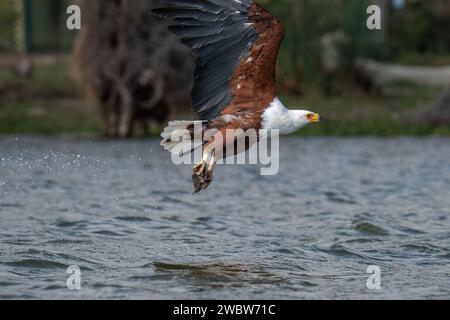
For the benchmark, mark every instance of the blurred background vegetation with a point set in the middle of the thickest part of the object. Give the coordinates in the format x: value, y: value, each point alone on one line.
x: 123, y: 75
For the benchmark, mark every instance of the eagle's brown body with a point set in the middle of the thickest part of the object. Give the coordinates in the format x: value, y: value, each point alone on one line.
x: 253, y: 83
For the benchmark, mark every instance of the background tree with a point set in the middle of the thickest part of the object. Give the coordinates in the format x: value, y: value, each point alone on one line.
x: 130, y: 65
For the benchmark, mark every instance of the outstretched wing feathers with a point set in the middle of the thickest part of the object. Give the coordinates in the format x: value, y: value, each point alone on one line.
x: 221, y: 34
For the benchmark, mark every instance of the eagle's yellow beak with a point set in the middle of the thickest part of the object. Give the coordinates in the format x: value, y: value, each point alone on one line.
x: 314, y: 117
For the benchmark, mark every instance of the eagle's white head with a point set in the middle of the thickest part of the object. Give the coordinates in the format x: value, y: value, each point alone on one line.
x: 302, y: 118
x: 277, y: 116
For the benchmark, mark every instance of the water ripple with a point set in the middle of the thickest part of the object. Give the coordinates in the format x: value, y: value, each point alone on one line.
x: 127, y: 217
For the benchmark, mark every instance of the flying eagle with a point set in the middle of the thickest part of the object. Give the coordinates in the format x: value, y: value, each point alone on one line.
x: 236, y: 45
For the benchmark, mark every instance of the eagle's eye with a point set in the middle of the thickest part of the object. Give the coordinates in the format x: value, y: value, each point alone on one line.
x: 310, y: 116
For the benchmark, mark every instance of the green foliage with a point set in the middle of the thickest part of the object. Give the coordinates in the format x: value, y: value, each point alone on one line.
x: 307, y: 21
x: 44, y: 103
x: 47, y: 117
x: 413, y: 30
x: 50, y: 80
x: 48, y: 104
x: 7, y: 21
x: 417, y: 59
x: 418, y: 31
x: 356, y: 114
x: 304, y: 24
x: 48, y: 26
x: 48, y: 32
x: 382, y: 126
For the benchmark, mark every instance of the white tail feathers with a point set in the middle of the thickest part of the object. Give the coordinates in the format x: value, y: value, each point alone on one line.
x: 179, y: 137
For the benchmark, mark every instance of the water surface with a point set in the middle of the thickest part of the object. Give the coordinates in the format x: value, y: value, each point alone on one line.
x: 127, y: 217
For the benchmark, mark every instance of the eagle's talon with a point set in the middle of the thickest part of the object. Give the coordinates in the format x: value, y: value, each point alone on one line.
x: 197, y: 187
x: 209, y: 177
x: 202, y: 182
x: 198, y: 183
x: 200, y: 168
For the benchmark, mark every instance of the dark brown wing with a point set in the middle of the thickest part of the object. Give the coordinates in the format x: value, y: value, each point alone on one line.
x: 254, y: 82
x: 236, y: 44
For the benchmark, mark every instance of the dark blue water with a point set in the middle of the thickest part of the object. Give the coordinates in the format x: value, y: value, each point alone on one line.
x: 127, y: 217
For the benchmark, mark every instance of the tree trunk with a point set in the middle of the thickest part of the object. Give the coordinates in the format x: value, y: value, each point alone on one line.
x: 130, y: 65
